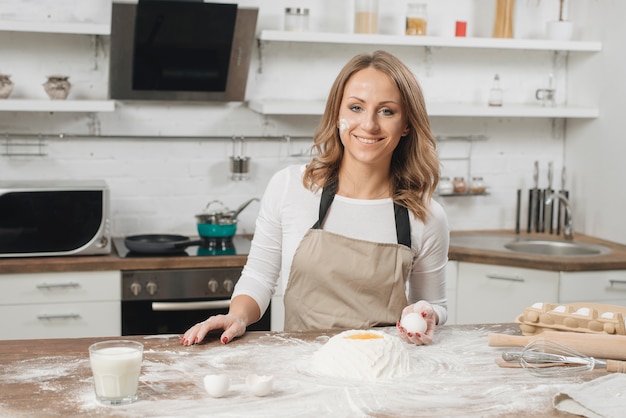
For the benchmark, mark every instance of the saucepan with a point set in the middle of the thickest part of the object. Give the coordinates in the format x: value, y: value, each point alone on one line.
x: 217, y: 221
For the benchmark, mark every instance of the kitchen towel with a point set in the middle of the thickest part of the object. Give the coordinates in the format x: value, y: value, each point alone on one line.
x: 603, y: 397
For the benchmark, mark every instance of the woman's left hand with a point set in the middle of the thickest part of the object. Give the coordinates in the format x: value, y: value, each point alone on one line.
x: 428, y: 313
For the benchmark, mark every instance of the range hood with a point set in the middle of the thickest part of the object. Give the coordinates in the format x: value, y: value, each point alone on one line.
x: 182, y: 50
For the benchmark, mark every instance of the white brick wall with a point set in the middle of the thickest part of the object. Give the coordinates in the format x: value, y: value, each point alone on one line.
x: 158, y: 184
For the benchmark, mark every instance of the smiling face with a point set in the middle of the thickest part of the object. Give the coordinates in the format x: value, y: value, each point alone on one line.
x: 370, y: 121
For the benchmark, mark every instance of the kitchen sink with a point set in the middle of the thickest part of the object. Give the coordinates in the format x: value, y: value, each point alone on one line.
x: 525, y: 245
x: 556, y: 248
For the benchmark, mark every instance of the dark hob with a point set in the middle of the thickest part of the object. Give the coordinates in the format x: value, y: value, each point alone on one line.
x: 236, y: 245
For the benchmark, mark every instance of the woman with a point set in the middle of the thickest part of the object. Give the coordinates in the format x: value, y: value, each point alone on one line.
x: 344, y: 235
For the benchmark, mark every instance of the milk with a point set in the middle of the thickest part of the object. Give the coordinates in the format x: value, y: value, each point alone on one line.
x: 116, y: 367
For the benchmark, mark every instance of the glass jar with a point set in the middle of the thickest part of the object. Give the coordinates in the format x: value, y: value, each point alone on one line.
x: 416, y: 19
x: 366, y: 16
x: 296, y: 19
x: 478, y: 185
x: 459, y: 185
x: 445, y: 186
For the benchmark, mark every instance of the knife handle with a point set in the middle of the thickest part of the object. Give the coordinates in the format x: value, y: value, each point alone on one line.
x: 616, y: 366
x: 530, y: 211
x: 518, y: 211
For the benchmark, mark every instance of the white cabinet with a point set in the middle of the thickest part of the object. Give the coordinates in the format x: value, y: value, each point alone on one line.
x: 451, y: 291
x: 490, y: 293
x: 39, y: 38
x: 608, y: 287
x: 459, y: 46
x: 60, y: 305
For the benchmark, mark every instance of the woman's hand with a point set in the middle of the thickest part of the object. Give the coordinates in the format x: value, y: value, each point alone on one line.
x: 232, y: 325
x: 428, y: 313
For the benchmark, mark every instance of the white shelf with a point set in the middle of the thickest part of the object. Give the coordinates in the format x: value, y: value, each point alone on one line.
x: 316, y: 108
x: 287, y: 107
x: 451, y: 42
x: 25, y: 105
x: 55, y: 27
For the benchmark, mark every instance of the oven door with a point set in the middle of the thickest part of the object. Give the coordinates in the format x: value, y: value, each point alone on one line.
x: 175, y: 316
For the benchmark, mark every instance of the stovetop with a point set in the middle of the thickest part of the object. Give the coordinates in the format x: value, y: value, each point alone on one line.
x: 236, y: 245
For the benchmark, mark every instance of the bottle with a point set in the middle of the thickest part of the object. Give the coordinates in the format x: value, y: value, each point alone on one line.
x: 495, y: 94
x: 296, y: 19
x: 416, y: 19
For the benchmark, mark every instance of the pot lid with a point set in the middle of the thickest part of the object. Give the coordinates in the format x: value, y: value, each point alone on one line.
x: 216, y: 208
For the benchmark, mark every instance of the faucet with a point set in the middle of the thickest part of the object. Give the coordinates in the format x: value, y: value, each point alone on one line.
x: 568, y: 227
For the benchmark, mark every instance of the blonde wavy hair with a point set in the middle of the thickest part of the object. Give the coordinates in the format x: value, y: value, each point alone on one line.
x: 414, y: 167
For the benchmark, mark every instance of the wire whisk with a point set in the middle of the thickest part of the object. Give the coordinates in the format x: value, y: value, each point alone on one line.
x: 548, y: 358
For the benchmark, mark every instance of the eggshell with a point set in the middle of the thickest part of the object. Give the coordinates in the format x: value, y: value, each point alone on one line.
x: 414, y: 323
x: 216, y: 385
x: 259, y: 385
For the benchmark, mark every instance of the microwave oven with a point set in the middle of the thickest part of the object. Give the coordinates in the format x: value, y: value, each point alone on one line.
x: 54, y: 218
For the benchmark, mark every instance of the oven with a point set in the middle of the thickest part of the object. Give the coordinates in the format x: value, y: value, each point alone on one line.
x: 169, y: 301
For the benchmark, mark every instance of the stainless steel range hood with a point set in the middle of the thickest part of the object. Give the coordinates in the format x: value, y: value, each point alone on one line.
x: 180, y: 50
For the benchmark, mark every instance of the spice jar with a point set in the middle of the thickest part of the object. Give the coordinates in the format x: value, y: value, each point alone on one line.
x: 416, y: 20
x: 459, y: 185
x: 445, y: 186
x: 478, y: 185
x: 296, y: 19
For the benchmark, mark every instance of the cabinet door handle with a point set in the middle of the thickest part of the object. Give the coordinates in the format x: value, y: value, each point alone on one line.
x: 190, y: 306
x: 46, y: 317
x: 46, y: 286
x: 496, y: 276
x: 617, y: 282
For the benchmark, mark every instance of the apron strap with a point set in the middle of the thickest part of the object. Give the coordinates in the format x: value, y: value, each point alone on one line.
x: 328, y: 194
x: 403, y: 225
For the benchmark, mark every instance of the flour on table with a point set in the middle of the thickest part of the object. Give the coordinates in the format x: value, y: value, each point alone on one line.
x: 366, y: 355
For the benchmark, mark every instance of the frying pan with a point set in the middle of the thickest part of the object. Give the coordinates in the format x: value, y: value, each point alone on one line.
x: 158, y: 243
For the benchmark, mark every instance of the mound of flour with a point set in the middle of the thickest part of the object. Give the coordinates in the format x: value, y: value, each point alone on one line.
x: 368, y: 355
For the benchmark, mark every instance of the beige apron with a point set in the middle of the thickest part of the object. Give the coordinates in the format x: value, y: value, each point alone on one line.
x: 341, y: 282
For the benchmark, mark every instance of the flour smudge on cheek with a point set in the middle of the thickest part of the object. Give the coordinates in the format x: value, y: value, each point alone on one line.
x: 343, y: 125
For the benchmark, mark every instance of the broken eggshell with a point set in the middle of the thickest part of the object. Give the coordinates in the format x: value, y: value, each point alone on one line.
x: 259, y: 385
x: 216, y: 385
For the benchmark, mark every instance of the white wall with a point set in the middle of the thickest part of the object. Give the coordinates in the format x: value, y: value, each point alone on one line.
x: 158, y: 183
x: 596, y: 150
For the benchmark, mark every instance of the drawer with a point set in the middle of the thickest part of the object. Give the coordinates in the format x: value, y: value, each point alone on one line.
x: 593, y: 286
x: 62, y: 320
x: 491, y: 293
x: 60, y: 287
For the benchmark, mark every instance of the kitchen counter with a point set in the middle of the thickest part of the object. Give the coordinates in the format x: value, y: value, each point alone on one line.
x: 616, y: 260
x: 456, y: 375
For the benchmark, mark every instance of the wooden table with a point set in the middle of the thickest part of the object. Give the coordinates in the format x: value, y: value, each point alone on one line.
x: 456, y: 375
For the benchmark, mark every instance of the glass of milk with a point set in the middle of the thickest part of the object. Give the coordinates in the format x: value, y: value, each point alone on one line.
x: 116, y: 365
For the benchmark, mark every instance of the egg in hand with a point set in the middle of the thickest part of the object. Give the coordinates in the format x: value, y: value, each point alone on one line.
x: 414, y: 323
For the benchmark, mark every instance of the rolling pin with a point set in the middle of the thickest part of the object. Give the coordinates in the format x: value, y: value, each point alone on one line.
x: 603, y: 346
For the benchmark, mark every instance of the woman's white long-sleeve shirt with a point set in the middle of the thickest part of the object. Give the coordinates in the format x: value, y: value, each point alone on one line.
x: 288, y: 210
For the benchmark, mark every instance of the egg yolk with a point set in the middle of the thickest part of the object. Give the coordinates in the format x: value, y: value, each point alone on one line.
x: 363, y: 336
